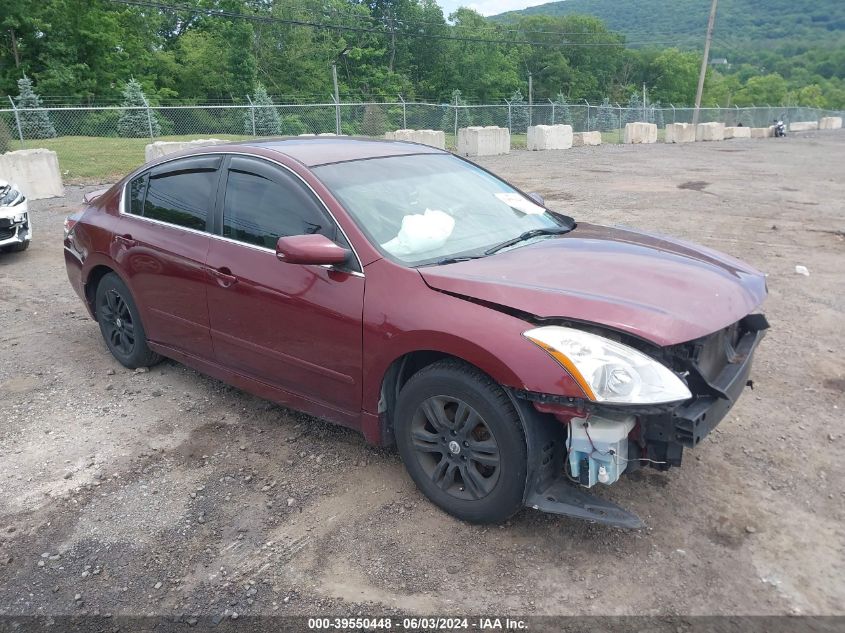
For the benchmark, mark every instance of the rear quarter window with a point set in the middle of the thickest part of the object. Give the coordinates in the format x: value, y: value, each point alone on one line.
x: 137, y: 191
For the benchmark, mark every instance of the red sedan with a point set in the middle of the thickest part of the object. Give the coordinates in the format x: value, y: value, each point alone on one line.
x: 514, y: 356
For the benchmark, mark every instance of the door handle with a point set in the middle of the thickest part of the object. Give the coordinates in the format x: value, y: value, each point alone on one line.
x: 224, y: 277
x: 125, y: 240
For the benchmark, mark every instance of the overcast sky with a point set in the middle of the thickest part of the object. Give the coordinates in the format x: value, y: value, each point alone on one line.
x: 488, y: 7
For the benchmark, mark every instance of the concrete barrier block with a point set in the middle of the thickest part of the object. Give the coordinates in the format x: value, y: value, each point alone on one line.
x: 434, y: 138
x: 640, y: 133
x: 762, y: 132
x: 737, y: 132
x: 483, y: 141
x: 543, y: 137
x: 679, y: 133
x: 162, y: 148
x: 34, y: 171
x: 580, y: 139
x: 710, y: 132
x: 830, y: 123
x: 803, y: 126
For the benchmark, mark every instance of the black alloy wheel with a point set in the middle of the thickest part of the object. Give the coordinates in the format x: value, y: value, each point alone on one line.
x: 117, y: 324
x: 462, y: 441
x: 455, y: 447
x: 120, y: 324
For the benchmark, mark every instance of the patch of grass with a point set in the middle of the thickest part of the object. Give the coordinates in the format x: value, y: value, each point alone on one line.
x: 92, y: 159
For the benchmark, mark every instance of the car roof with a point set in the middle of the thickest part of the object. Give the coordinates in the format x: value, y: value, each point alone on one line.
x: 322, y: 150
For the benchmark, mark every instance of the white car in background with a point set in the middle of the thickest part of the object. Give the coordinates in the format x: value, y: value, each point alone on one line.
x: 15, y: 225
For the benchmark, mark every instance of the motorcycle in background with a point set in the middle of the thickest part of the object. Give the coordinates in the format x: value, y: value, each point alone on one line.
x: 780, y: 128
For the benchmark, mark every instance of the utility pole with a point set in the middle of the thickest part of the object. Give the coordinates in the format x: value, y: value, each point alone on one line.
x: 530, y: 96
x: 704, y: 61
x: 644, y: 106
x: 336, y: 99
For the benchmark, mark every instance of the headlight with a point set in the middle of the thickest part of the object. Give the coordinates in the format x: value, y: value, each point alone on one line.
x: 9, y: 196
x: 608, y: 371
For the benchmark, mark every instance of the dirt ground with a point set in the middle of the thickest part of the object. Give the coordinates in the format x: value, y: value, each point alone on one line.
x: 167, y: 492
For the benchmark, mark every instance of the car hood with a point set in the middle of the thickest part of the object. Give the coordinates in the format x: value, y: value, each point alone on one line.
x: 656, y: 288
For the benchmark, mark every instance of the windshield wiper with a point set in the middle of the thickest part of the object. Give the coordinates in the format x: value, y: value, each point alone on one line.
x: 556, y: 230
x: 454, y: 260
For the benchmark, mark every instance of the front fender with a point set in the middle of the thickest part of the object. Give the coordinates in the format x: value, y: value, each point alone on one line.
x: 403, y: 315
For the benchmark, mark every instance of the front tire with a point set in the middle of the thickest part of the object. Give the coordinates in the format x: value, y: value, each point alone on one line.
x: 20, y: 247
x: 120, y: 324
x: 462, y: 442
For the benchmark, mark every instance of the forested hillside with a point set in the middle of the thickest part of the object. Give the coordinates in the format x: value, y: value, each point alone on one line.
x: 213, y: 51
x: 774, y: 48
x: 763, y: 23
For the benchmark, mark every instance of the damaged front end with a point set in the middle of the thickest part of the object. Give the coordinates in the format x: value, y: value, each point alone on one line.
x: 597, y: 442
x: 15, y: 225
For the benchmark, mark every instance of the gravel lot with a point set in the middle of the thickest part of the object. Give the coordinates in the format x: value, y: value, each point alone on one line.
x: 166, y: 492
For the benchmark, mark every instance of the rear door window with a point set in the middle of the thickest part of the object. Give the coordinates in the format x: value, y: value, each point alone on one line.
x: 182, y: 192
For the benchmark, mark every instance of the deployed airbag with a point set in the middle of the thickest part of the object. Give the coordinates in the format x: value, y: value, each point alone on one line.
x: 421, y: 233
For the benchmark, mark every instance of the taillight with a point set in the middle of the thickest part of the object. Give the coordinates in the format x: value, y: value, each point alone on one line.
x: 70, y: 222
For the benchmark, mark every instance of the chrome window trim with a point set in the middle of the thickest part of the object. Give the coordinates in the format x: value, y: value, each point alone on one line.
x: 122, y: 208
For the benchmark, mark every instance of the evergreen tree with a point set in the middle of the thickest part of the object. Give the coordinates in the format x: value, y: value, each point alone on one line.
x: 562, y: 113
x: 519, y: 113
x: 607, y: 120
x: 136, y: 123
x: 5, y: 136
x: 267, y: 122
x: 634, y: 112
x: 374, y: 123
x: 657, y: 115
x: 35, y: 123
x: 447, y: 123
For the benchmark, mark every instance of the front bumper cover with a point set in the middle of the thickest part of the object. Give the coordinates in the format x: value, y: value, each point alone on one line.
x: 663, y: 433
x: 14, y: 230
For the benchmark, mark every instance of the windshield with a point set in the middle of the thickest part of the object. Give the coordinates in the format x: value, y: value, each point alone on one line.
x: 423, y: 209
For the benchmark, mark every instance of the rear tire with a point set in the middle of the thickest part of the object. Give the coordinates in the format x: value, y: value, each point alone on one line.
x: 462, y: 442
x: 120, y: 324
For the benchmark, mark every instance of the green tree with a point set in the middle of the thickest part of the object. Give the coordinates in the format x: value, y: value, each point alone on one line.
x: 447, y: 122
x: 656, y: 115
x: 634, y: 109
x: 34, y: 120
x: 374, y: 122
x: 518, y: 113
x: 674, y: 76
x: 267, y: 122
x: 5, y: 136
x: 762, y: 90
x: 607, y: 119
x: 809, y: 96
x: 562, y: 112
x: 135, y: 119
x: 485, y: 70
x: 583, y: 63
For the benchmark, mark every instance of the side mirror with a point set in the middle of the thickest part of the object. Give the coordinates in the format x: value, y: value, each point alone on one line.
x: 536, y: 197
x: 310, y: 249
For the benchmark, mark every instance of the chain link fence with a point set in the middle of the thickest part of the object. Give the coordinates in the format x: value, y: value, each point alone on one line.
x: 103, y: 143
